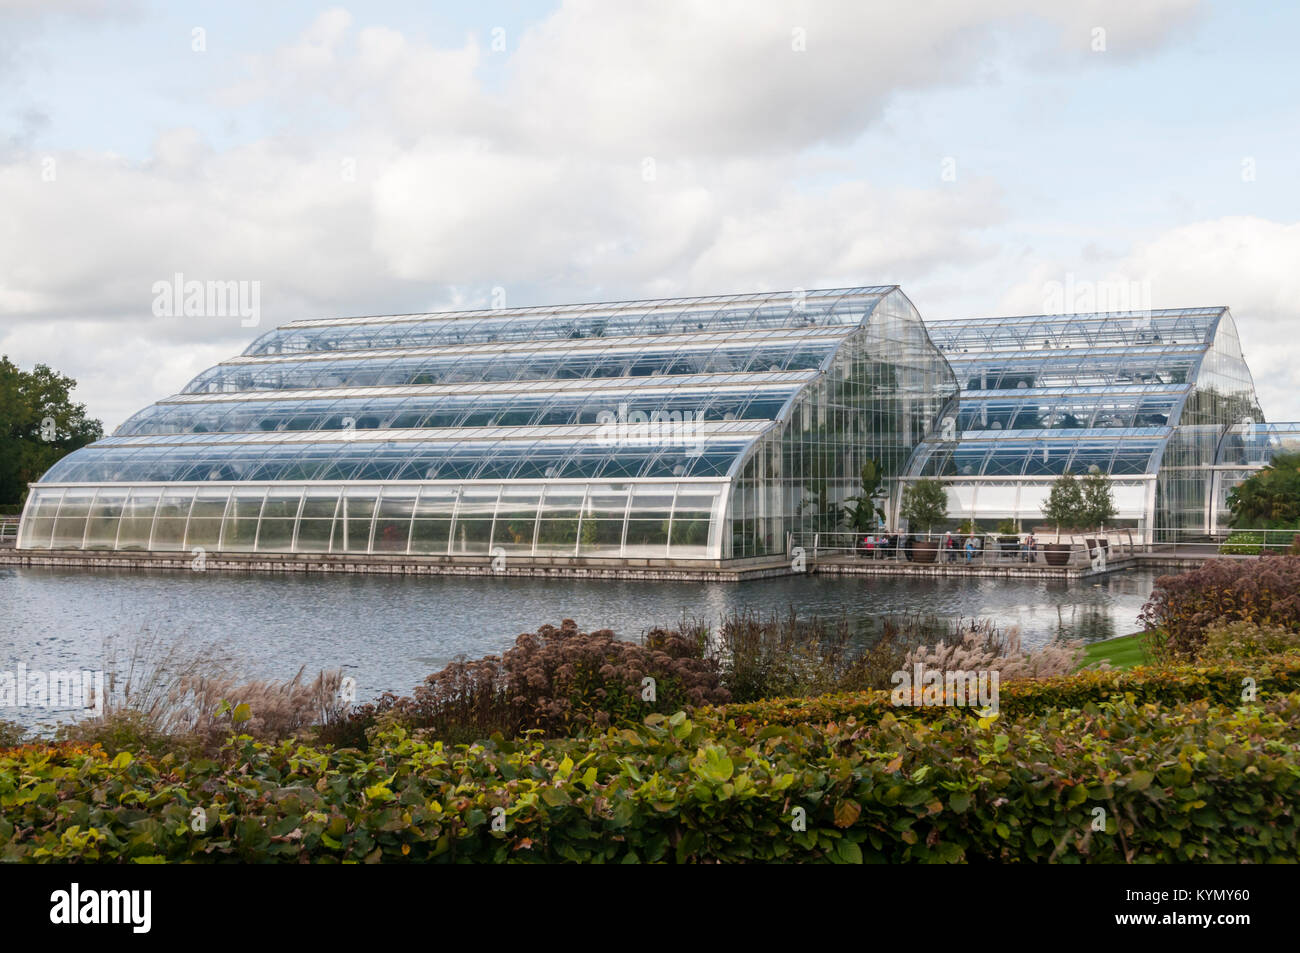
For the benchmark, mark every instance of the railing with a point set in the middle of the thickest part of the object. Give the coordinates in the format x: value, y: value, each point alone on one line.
x: 8, y: 531
x: 1237, y: 543
x: 988, y: 549
x: 982, y: 549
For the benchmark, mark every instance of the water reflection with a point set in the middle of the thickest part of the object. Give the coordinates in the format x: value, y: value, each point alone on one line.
x: 389, y: 632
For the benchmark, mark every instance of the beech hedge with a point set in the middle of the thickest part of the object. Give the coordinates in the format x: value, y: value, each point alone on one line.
x: 1112, y: 782
x: 1223, y: 683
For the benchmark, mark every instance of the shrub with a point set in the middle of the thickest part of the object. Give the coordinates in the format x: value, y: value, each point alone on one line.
x: 12, y: 734
x: 1172, y: 686
x: 558, y: 681
x: 1246, y: 640
x: 1270, y: 497
x: 127, y: 730
x: 786, y: 656
x: 1264, y: 591
x: 1242, y: 543
x: 782, y: 655
x: 1198, y: 782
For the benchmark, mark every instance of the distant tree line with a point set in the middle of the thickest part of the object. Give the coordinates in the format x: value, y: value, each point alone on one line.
x: 39, y: 423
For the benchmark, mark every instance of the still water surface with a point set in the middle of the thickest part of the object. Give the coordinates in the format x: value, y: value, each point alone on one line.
x: 389, y: 632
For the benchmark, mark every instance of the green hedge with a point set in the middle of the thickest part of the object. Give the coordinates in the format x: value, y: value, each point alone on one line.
x: 1173, y: 685
x: 1192, y: 782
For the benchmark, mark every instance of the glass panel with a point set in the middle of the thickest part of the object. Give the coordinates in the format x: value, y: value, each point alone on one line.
x: 557, y: 527
x: 173, y: 512
x: 473, y: 530
x: 516, y: 519
x: 38, y: 526
x: 356, y: 517
x: 70, y: 527
x: 393, y: 523
x: 275, y: 536
x: 601, y: 531
x: 137, y: 518
x: 648, y: 520
x: 105, y: 513
x: 432, y: 527
x: 239, y: 530
x: 204, y: 528
x: 316, y: 524
x: 692, y: 518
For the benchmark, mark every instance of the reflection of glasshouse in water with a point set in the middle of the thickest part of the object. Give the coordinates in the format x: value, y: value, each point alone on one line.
x: 684, y: 429
x: 694, y: 428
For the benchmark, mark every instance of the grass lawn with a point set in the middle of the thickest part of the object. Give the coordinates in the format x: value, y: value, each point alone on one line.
x: 1123, y: 652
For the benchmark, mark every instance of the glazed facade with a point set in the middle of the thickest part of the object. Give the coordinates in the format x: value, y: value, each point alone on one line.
x: 1145, y: 397
x: 690, y: 429
x: 1242, y: 451
x: 684, y: 429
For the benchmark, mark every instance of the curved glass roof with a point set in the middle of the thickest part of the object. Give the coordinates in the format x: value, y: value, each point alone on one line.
x: 338, y: 409
x: 1253, y: 445
x: 730, y: 313
x: 1042, y: 394
x: 633, y: 357
x: 674, y: 389
x: 481, y: 458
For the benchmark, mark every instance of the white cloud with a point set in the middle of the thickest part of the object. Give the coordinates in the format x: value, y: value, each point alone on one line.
x: 402, y: 179
x: 1244, y: 262
x: 671, y: 76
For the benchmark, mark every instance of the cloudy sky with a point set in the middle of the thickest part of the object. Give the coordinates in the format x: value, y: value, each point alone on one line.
x: 397, y: 157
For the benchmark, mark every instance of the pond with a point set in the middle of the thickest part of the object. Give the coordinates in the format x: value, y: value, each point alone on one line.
x: 389, y: 632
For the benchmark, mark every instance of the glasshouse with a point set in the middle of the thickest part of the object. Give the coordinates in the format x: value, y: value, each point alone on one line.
x: 700, y: 431
x: 1244, y: 450
x: 1146, y: 397
x: 673, y: 430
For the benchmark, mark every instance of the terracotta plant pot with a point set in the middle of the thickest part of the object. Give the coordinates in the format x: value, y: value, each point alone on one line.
x: 1057, y: 554
x: 925, y: 550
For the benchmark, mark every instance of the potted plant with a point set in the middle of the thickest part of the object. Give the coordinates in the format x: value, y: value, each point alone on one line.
x: 924, y: 504
x: 1066, y: 508
x: 864, y: 514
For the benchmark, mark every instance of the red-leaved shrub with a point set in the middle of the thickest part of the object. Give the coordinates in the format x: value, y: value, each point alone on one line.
x: 1264, y: 591
x: 557, y: 680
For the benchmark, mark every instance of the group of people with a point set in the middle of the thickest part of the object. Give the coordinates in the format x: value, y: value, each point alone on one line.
x: 973, y: 547
x: 883, y: 546
x: 877, y: 546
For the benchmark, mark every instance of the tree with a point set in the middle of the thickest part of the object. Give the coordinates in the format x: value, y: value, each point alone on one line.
x: 1065, y: 504
x: 1270, y: 497
x: 924, y: 503
x: 39, y: 424
x: 1098, y: 499
x: 863, y: 515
